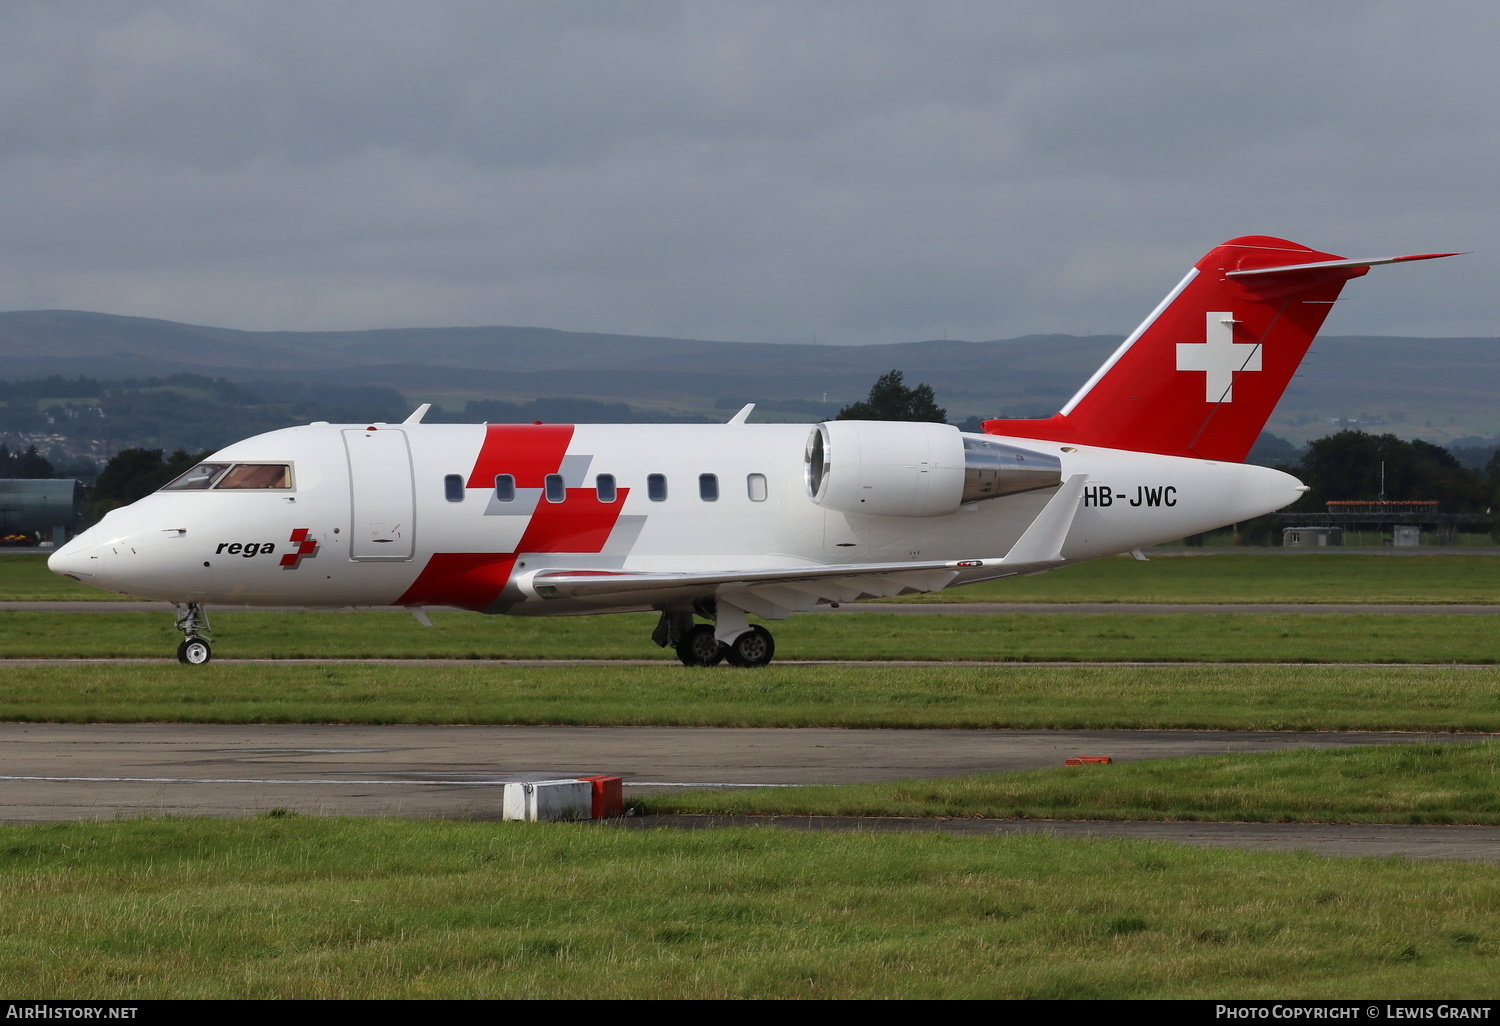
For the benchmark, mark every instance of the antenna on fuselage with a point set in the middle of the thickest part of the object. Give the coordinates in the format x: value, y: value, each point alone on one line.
x: 418, y: 414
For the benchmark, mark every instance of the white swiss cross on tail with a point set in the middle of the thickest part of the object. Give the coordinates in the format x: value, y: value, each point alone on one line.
x: 1218, y: 357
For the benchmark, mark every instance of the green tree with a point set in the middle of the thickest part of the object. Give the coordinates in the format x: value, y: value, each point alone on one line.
x: 28, y: 464
x: 32, y: 464
x: 133, y: 474
x: 1347, y: 465
x: 890, y: 399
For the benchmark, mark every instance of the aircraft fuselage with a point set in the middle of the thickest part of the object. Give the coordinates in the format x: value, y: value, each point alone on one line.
x: 391, y: 529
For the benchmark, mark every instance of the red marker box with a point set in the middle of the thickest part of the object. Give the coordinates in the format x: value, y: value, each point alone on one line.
x: 609, y: 800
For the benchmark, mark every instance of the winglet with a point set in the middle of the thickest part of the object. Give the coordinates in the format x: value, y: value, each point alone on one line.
x: 1043, y: 540
x: 743, y: 417
x: 418, y: 414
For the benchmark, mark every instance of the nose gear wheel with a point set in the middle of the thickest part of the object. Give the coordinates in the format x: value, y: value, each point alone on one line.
x: 197, y: 636
x: 194, y: 652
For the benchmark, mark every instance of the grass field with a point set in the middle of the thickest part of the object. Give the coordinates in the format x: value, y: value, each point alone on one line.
x: 1384, y: 784
x: 1169, y: 576
x: 1169, y: 637
x: 24, y: 577
x: 304, y: 908
x: 1280, y: 576
x: 1033, y: 697
x: 293, y: 907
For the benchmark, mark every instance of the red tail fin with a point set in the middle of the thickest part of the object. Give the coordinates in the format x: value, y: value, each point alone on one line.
x: 1200, y: 377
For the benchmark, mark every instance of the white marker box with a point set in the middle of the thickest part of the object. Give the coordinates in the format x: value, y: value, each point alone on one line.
x: 548, y: 801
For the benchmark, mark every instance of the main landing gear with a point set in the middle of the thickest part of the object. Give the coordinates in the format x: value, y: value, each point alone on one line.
x: 197, y: 636
x: 696, y: 645
x: 753, y: 648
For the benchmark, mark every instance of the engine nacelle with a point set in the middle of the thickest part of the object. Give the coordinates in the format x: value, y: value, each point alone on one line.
x: 993, y: 468
x: 903, y: 469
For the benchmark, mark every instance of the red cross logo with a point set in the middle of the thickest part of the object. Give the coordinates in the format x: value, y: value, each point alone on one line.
x: 305, y: 547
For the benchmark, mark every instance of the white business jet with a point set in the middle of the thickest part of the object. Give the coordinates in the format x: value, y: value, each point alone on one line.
x: 711, y: 524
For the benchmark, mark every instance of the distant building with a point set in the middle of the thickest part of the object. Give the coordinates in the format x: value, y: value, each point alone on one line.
x: 41, y: 510
x: 1406, y: 536
x: 1300, y: 537
x: 1405, y: 520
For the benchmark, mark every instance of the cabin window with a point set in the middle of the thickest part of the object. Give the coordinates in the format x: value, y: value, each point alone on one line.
x: 557, y: 491
x: 656, y: 487
x: 453, y: 487
x: 604, y: 487
x: 708, y: 487
x: 755, y: 485
x: 505, y: 488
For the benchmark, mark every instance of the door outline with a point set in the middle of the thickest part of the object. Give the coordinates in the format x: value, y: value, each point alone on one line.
x: 382, y: 495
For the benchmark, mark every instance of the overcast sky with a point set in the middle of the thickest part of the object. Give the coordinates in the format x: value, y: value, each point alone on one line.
x: 763, y: 171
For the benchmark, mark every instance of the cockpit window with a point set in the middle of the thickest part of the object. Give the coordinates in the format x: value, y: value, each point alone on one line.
x: 201, y: 476
x: 242, y: 476
x: 257, y: 475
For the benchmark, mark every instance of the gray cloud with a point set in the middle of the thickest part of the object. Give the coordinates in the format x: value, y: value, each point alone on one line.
x: 867, y: 171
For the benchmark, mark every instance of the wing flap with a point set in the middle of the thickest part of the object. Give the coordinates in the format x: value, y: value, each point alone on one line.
x: 790, y: 587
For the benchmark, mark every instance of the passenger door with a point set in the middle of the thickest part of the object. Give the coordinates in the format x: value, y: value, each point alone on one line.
x: 382, y: 498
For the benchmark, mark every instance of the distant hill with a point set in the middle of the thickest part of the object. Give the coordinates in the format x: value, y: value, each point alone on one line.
x: 517, y: 364
x: 1432, y: 388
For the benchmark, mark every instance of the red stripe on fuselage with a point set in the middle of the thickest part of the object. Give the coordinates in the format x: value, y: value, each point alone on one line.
x: 578, y: 524
x: 527, y: 452
x: 468, y: 580
x: 581, y: 523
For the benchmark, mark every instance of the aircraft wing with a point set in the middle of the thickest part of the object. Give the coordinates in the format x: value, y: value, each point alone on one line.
x: 775, y: 593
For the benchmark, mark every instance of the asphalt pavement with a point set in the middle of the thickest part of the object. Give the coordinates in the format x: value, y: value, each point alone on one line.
x: 111, y: 771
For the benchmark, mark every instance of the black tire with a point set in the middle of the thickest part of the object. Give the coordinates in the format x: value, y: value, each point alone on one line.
x: 753, y: 648
x: 699, y: 647
x: 194, y: 652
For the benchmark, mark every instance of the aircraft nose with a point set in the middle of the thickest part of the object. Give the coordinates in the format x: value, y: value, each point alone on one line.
x: 71, y: 560
x: 100, y: 555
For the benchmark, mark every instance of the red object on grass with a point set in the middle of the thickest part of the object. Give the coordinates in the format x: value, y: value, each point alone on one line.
x: 1088, y: 760
x: 609, y: 800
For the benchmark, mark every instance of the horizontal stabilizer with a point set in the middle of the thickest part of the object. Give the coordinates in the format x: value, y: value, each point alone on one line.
x: 1330, y: 265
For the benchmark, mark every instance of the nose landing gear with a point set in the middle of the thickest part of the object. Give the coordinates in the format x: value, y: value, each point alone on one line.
x: 197, y: 636
x: 194, y: 652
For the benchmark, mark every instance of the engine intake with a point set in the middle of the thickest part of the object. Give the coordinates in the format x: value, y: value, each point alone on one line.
x: 902, y: 469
